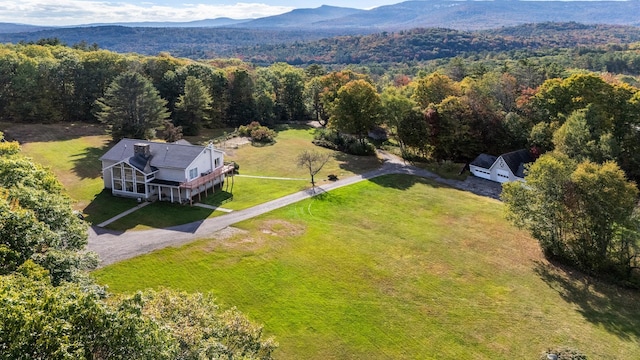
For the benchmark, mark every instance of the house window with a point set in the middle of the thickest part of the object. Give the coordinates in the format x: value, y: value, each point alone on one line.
x: 193, y: 173
x: 217, y: 162
x: 128, y: 173
x: 117, y: 172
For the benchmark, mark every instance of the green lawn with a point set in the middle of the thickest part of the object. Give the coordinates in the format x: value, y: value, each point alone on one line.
x: 160, y: 215
x: 75, y: 163
x: 72, y: 152
x: 396, y: 268
x: 279, y: 159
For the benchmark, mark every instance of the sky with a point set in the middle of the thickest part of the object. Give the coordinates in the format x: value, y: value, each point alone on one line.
x: 76, y: 12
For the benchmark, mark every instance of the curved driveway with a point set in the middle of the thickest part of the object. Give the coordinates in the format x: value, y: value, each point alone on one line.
x: 114, y: 246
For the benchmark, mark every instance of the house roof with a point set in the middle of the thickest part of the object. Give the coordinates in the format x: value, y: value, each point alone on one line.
x: 484, y: 161
x: 163, y: 155
x: 516, y: 160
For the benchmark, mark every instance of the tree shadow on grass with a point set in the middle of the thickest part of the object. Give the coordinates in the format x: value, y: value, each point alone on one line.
x: 104, y: 206
x: 357, y: 164
x: 86, y: 164
x: 260, y: 144
x: 614, y: 308
x: 218, y: 198
x: 163, y: 215
x: 403, y: 181
x: 29, y: 133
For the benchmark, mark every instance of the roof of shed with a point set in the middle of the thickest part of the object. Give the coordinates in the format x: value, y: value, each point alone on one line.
x: 484, y: 161
x: 516, y: 161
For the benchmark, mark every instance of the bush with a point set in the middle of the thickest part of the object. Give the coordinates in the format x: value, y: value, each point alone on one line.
x: 245, y: 130
x: 355, y: 147
x: 326, y: 144
x: 263, y: 135
x: 335, y: 141
x: 257, y: 132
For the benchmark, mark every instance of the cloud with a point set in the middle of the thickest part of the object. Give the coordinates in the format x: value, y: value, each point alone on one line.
x: 75, y: 12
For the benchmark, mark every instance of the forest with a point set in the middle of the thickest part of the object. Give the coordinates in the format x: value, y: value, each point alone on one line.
x: 493, y: 103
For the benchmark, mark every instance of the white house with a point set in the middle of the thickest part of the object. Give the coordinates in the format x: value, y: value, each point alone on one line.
x: 504, y: 168
x: 172, y: 172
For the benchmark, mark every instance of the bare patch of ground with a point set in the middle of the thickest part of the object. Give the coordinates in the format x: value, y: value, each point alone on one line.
x: 229, y: 145
x: 229, y: 237
x: 281, y: 228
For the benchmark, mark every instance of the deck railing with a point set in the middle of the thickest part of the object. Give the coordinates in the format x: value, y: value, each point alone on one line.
x: 216, y: 173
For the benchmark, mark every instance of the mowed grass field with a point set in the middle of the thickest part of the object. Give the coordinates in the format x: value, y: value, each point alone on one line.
x: 72, y: 151
x: 396, y: 268
x: 279, y: 159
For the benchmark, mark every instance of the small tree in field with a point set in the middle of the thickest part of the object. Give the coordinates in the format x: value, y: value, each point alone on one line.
x: 312, y: 161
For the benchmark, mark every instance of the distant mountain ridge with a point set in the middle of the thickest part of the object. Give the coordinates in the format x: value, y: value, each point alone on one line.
x: 8, y: 28
x: 451, y: 14
x: 217, y: 22
x: 227, y: 37
x: 302, y: 18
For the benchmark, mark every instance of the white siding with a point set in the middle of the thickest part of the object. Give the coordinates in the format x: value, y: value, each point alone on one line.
x: 500, y: 171
x: 502, y: 175
x: 480, y: 172
x: 106, y: 175
x: 171, y: 175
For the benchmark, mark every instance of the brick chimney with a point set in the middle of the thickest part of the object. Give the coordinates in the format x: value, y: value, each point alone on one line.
x: 143, y: 150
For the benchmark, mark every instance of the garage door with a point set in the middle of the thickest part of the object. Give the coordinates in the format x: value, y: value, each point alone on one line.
x: 503, y: 176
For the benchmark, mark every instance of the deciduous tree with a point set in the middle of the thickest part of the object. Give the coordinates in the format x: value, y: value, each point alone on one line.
x: 313, y: 161
x: 357, y: 109
x: 581, y: 213
x: 434, y: 88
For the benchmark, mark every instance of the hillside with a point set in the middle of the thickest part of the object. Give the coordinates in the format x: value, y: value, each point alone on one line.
x: 183, y: 42
x: 303, y: 18
x: 266, y: 46
x: 432, y: 43
x: 474, y: 15
x: 226, y: 37
x: 9, y: 28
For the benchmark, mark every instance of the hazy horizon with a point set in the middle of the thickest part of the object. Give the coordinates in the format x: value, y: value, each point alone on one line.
x: 80, y: 12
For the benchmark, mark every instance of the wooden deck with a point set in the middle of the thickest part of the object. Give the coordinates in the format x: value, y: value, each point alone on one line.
x: 194, y: 186
x: 202, y: 180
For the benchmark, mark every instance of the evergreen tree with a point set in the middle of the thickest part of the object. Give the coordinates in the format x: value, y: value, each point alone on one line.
x: 132, y: 107
x: 192, y: 107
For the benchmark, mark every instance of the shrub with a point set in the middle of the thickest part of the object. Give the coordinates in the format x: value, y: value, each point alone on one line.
x: 245, y: 130
x: 263, y: 134
x: 333, y: 140
x: 8, y: 147
x: 355, y: 147
x: 257, y: 132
